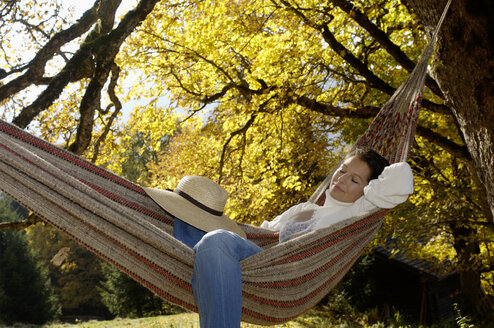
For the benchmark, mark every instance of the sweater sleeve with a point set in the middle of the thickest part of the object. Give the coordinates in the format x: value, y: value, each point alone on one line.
x: 392, y: 187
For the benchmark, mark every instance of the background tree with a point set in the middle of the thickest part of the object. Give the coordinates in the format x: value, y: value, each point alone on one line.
x: 25, y: 294
x: 124, y: 297
x: 75, y: 279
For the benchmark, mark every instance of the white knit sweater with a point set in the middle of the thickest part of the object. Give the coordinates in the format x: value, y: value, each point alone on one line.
x: 391, y: 188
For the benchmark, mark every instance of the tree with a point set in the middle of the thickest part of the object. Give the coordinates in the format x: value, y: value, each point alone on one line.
x: 333, y: 58
x: 89, y: 68
x: 331, y: 63
x: 466, y: 44
x: 74, y: 280
x: 124, y: 297
x: 25, y: 294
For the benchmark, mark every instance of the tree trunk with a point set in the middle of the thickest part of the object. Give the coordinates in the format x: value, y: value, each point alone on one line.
x: 464, y: 68
x: 471, y: 293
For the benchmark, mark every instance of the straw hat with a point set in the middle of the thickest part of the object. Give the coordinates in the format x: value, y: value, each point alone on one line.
x: 197, y: 201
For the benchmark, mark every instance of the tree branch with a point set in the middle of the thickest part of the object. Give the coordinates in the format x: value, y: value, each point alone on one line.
x: 362, y: 69
x: 218, y: 95
x: 54, y: 89
x: 36, y: 67
x: 115, y: 103
x: 32, y: 219
x: 327, y: 109
x: 443, y: 142
x: 227, y: 142
x: 367, y: 112
x: 384, y: 41
x: 105, y: 49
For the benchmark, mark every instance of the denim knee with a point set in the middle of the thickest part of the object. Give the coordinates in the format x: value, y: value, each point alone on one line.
x: 225, y: 244
x: 214, y: 239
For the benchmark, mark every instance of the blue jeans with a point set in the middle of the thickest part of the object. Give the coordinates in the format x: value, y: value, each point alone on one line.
x: 217, y: 278
x: 186, y: 233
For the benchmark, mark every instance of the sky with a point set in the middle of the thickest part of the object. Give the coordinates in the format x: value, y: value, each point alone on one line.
x: 80, y: 6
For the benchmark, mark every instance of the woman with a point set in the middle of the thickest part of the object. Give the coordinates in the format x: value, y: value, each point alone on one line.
x: 217, y: 278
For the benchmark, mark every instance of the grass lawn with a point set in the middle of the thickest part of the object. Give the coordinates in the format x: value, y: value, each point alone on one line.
x: 191, y: 320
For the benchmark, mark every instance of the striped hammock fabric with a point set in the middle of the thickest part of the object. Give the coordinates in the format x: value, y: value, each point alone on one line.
x: 117, y: 221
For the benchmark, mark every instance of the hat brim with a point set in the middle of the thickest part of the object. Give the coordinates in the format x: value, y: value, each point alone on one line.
x: 184, y: 210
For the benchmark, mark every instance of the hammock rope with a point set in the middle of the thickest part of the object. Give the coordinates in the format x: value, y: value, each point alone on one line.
x: 117, y: 221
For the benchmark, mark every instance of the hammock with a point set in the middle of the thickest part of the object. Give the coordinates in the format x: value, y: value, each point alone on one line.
x: 117, y: 221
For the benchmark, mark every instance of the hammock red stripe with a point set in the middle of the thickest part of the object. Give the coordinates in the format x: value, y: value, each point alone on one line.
x: 24, y: 136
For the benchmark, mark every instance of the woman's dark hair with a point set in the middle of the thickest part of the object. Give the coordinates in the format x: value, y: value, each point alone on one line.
x: 376, y: 162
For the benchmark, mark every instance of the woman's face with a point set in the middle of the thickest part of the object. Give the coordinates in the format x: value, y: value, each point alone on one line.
x: 349, y: 180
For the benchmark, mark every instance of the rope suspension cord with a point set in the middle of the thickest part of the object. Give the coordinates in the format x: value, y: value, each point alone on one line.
x: 120, y: 223
x: 440, y: 22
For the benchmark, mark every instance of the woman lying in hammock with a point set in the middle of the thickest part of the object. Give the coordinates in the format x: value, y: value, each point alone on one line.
x: 365, y: 181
